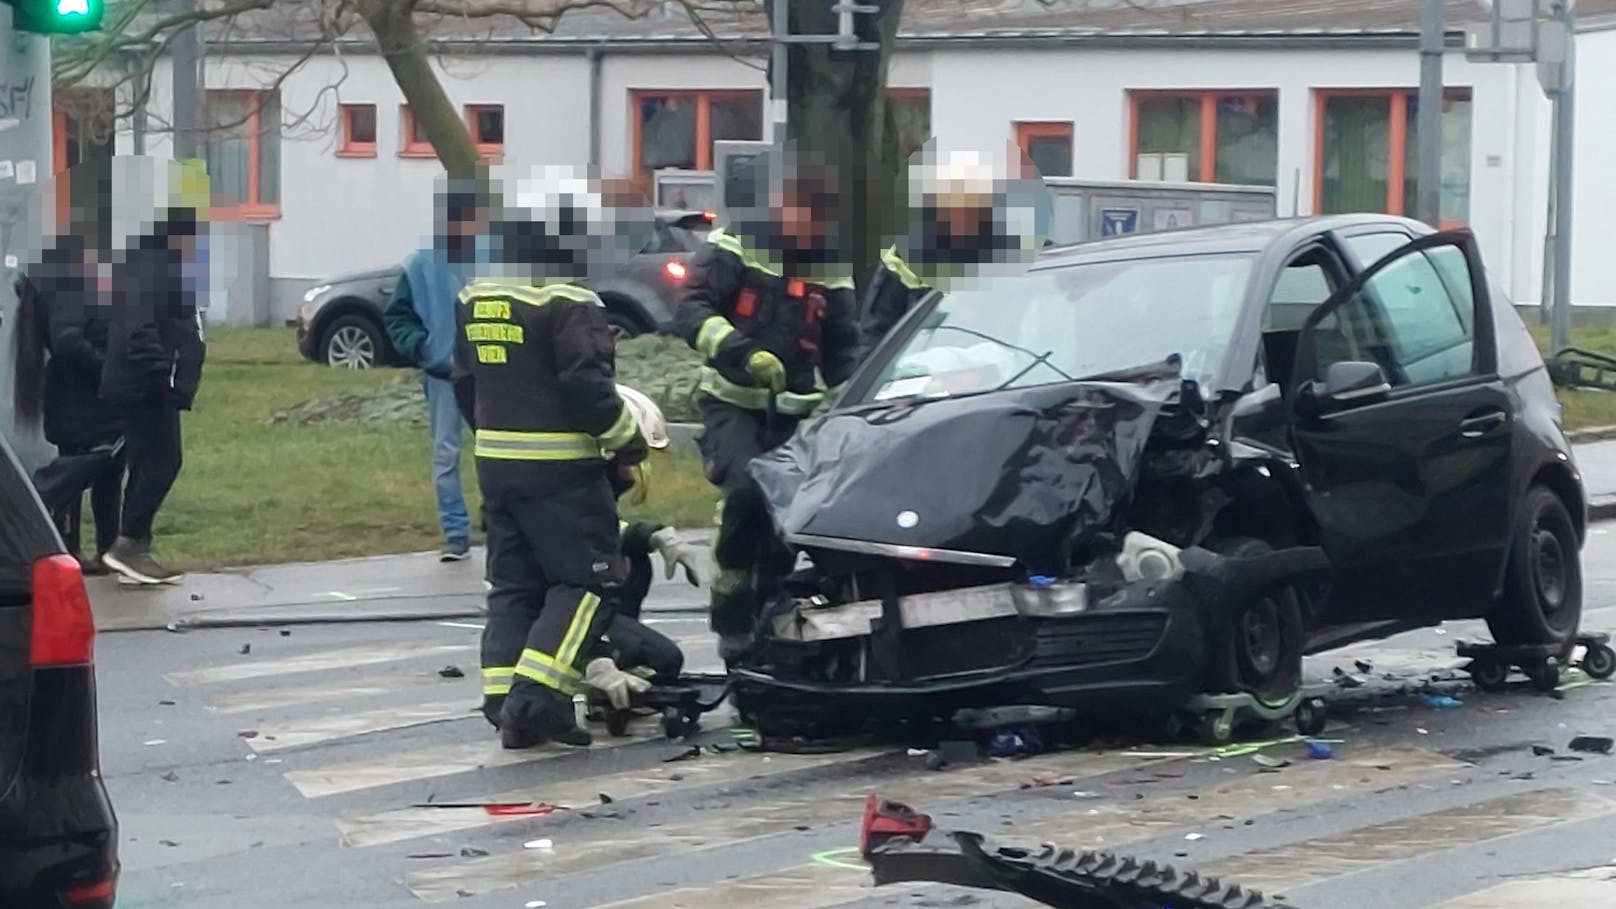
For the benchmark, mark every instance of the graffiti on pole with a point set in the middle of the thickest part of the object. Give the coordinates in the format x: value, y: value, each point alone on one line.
x: 17, y: 98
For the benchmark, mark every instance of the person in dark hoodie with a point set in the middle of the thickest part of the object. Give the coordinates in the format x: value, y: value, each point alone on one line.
x: 420, y: 321
x: 155, y: 351
x: 61, y: 346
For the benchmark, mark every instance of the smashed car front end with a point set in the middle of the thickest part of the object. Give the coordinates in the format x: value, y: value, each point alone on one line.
x: 1001, y: 550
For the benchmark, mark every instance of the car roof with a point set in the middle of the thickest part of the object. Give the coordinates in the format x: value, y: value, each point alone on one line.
x: 1243, y: 237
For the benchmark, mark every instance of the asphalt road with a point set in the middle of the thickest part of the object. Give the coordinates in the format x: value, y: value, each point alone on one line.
x: 283, y: 769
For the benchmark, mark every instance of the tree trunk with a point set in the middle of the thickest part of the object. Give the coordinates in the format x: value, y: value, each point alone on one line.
x: 836, y: 107
x: 401, y: 46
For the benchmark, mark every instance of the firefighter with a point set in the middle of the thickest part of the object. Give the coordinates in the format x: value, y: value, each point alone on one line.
x: 772, y: 312
x: 969, y: 213
x: 534, y: 358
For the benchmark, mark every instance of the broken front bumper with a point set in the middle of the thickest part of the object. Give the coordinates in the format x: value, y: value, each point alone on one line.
x: 1143, y: 650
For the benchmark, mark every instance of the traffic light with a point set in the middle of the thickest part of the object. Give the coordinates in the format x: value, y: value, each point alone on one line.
x: 56, y: 17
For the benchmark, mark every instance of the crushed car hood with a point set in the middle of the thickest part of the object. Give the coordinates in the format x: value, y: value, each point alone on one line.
x: 1019, y: 473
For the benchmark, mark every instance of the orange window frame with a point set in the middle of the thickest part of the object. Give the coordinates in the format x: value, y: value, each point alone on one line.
x: 1028, y: 130
x: 249, y: 209
x: 1397, y: 141
x: 703, y: 99
x: 491, y: 151
x: 408, y: 145
x: 1208, y: 98
x: 350, y: 147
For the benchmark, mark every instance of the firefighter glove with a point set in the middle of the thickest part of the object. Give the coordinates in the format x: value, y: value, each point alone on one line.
x: 619, y: 687
x: 676, y: 554
x: 766, y: 369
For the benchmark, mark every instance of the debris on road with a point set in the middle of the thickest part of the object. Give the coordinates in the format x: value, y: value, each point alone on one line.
x: 1442, y: 702
x: 165, y: 702
x: 694, y: 751
x: 1019, y: 742
x: 472, y: 852
x: 1542, y: 750
x: 246, y: 649
x: 1364, y: 666
x: 1320, y: 751
x: 171, y: 777
x: 451, y: 672
x: 1593, y: 744
x: 1269, y: 763
x: 248, y: 734
x: 539, y: 844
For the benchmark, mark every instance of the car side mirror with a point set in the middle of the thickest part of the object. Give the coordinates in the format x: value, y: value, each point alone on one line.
x: 1353, y: 382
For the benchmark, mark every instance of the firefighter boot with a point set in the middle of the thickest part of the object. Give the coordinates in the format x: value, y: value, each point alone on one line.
x: 533, y: 715
x: 731, y: 616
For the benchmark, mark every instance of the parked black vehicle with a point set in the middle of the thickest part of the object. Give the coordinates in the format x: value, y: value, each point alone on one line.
x: 58, y: 834
x: 340, y: 322
x: 1162, y: 466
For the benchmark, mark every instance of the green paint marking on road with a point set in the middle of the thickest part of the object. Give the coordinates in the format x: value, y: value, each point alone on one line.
x: 832, y: 858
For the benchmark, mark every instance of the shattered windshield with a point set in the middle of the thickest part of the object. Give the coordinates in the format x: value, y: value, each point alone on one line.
x: 1060, y: 324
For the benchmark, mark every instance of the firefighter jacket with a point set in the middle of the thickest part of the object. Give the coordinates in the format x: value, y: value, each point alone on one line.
x: 736, y: 303
x: 895, y: 290
x: 537, y: 366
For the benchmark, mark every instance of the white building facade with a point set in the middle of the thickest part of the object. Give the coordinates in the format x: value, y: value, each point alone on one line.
x: 329, y: 167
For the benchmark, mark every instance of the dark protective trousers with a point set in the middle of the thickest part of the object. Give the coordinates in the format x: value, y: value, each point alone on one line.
x: 106, y: 495
x: 555, y: 569
x: 152, y: 446
x: 747, y: 548
x: 635, y: 644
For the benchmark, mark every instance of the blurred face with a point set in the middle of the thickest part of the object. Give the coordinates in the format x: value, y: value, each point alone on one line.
x: 799, y: 221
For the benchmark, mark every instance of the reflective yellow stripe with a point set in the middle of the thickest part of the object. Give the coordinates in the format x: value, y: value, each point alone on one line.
x: 544, y: 670
x: 789, y: 403
x: 901, y: 270
x: 839, y: 284
x: 621, y: 433
x: 501, y: 445
x: 713, y: 332
x: 578, y: 632
x: 526, y: 293
x: 733, y: 245
x: 497, y: 680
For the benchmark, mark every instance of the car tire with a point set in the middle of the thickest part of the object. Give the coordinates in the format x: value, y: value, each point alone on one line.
x: 1542, y: 601
x: 352, y: 342
x: 624, y: 325
x: 1262, y: 655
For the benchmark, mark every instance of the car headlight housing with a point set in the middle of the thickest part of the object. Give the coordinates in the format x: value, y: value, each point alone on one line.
x: 315, y: 291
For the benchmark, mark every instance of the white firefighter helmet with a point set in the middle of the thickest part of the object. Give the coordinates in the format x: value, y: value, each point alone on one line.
x: 568, y: 202
x: 647, y: 414
x: 958, y: 179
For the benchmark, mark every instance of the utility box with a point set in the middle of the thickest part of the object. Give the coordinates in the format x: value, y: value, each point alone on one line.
x: 1089, y: 210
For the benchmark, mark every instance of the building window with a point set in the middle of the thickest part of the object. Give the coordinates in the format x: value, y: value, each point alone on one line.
x: 910, y: 117
x: 677, y: 129
x: 1049, y: 145
x: 487, y: 124
x: 244, y: 153
x: 1366, y: 152
x: 1205, y: 136
x: 358, y: 131
x: 413, y: 142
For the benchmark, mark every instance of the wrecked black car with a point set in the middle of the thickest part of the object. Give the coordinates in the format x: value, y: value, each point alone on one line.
x: 1162, y: 466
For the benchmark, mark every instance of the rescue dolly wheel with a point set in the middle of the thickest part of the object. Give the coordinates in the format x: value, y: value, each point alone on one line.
x: 673, y: 723
x: 1599, y: 662
x: 1216, y: 727
x: 1545, y: 674
x: 1311, y: 716
x: 1489, y: 675
x: 617, y: 722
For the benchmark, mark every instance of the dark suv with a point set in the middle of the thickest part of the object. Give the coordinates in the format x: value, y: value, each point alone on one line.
x: 58, y: 835
x: 340, y: 322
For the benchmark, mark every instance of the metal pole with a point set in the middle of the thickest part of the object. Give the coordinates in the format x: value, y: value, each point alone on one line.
x: 777, y: 76
x: 186, y: 57
x: 1565, y: 155
x: 1429, y: 206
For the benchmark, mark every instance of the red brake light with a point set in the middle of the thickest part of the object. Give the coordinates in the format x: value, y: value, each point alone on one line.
x: 64, y: 629
x: 675, y: 269
x: 96, y: 894
x: 710, y: 215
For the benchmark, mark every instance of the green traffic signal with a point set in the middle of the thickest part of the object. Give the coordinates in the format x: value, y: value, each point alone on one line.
x: 56, y: 17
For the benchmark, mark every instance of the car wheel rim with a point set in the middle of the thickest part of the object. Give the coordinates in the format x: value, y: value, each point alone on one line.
x: 1548, y: 570
x: 351, y: 348
x: 1263, y: 639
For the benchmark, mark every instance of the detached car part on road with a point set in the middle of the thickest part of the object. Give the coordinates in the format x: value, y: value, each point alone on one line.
x: 1164, y: 466
x: 903, y: 847
x: 58, y: 835
x: 340, y: 321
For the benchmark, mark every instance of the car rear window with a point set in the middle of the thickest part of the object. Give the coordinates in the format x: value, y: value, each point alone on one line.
x: 26, y: 534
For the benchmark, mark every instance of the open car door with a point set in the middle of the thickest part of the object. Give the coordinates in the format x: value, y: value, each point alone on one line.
x: 1402, y: 428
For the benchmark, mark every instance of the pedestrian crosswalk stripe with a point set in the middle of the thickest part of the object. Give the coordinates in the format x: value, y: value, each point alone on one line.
x: 316, y: 662
x: 820, y: 886
x: 1593, y: 887
x: 1297, y: 864
x: 497, y: 872
x: 347, y: 725
x: 428, y: 763
x: 408, y: 823
x: 278, y: 698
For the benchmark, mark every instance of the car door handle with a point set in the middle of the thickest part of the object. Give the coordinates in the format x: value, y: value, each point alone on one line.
x: 1476, y: 427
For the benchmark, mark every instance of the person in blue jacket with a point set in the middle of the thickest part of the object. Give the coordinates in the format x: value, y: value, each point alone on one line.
x: 420, y: 321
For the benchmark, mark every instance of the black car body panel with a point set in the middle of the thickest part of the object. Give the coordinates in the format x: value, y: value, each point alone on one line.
x: 58, y: 831
x: 1380, y: 457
